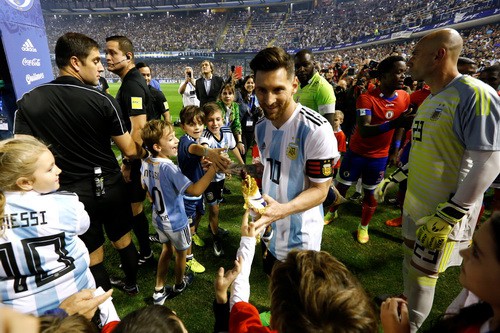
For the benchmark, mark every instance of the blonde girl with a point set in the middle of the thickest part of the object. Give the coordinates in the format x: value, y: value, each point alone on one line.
x: 42, y: 259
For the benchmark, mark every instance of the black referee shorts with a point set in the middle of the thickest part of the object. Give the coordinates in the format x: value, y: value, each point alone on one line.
x: 111, y: 211
x: 135, y: 191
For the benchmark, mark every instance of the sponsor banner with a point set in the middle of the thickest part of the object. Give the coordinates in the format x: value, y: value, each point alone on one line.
x: 22, y: 31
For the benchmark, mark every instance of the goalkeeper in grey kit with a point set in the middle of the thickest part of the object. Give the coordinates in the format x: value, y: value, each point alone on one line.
x: 454, y: 158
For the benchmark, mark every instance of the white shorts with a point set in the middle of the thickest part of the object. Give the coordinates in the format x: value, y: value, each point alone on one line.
x: 181, y: 239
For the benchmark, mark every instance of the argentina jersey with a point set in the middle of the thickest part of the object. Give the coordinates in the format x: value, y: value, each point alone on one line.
x: 226, y: 141
x: 166, y: 185
x: 301, y: 151
x: 42, y: 259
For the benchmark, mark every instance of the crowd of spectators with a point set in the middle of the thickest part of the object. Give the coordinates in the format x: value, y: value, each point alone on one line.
x: 245, y: 30
x: 482, y: 44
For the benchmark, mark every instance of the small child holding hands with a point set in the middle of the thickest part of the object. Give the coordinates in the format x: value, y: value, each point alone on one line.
x: 166, y: 185
x: 216, y: 135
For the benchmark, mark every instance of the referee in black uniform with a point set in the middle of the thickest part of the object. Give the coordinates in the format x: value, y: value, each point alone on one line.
x: 77, y: 121
x: 136, y: 103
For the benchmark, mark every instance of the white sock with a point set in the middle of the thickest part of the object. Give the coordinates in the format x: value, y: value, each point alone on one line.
x: 420, y: 295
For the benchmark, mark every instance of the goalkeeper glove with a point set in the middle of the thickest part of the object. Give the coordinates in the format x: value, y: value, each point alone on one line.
x: 436, y: 228
x: 396, y: 177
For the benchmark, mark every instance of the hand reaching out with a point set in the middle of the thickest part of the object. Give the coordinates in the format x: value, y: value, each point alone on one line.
x: 223, y: 280
x: 84, y: 303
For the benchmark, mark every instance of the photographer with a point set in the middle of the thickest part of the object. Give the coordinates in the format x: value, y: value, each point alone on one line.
x: 187, y: 89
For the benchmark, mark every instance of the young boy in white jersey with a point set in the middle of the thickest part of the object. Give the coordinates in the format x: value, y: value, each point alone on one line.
x: 166, y: 185
x: 217, y: 136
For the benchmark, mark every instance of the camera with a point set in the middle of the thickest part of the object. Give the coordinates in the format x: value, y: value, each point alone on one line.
x: 373, y: 64
x: 189, y: 74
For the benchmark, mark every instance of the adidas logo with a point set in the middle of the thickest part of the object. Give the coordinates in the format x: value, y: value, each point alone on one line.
x: 28, y: 46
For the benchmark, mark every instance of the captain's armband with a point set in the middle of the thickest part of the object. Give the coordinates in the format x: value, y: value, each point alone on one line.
x: 319, y: 168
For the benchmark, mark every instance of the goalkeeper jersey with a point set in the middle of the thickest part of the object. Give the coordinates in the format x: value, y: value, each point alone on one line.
x: 465, y: 115
x: 42, y: 259
x: 301, y: 151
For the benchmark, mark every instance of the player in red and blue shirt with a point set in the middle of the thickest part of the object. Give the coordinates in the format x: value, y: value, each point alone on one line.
x: 379, y: 113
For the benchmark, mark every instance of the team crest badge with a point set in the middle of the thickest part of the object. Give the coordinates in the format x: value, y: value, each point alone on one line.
x: 292, y: 151
x: 437, y: 112
x: 389, y: 114
x: 326, y: 169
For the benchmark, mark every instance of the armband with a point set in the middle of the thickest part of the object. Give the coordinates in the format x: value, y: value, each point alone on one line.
x: 319, y: 168
x: 397, y: 144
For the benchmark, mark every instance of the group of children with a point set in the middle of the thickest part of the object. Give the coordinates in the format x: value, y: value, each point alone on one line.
x: 176, y: 191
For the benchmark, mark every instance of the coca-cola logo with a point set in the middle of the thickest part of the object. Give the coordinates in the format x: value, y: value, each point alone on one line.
x: 35, y: 62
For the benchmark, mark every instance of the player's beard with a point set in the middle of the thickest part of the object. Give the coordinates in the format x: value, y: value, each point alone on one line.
x: 278, y: 112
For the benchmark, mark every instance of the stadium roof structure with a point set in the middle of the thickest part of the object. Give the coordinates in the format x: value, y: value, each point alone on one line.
x: 73, y: 7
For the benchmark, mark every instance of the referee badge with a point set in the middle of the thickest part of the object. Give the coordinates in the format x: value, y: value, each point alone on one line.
x: 136, y: 103
x: 292, y: 151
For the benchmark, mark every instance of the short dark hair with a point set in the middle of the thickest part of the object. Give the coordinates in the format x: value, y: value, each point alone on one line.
x: 386, y: 65
x: 141, y: 64
x: 271, y: 59
x: 150, y: 319
x: 124, y: 44
x: 303, y: 52
x: 73, y: 44
x: 189, y: 113
x: 465, y: 61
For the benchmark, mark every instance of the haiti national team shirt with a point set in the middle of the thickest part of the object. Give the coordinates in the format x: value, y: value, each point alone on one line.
x: 166, y: 184
x: 42, y: 259
x: 301, y: 151
x: 465, y: 115
x: 382, y: 109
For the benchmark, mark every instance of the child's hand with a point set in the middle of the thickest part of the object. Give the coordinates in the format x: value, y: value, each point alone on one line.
x: 394, y: 316
x: 248, y: 229
x: 205, y: 164
x: 224, y: 280
x: 221, y: 161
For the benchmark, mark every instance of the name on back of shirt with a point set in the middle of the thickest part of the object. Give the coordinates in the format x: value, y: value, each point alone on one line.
x: 24, y: 219
x: 151, y: 174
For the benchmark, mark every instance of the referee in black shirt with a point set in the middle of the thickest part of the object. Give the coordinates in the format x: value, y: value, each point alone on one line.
x: 136, y: 103
x: 77, y: 121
